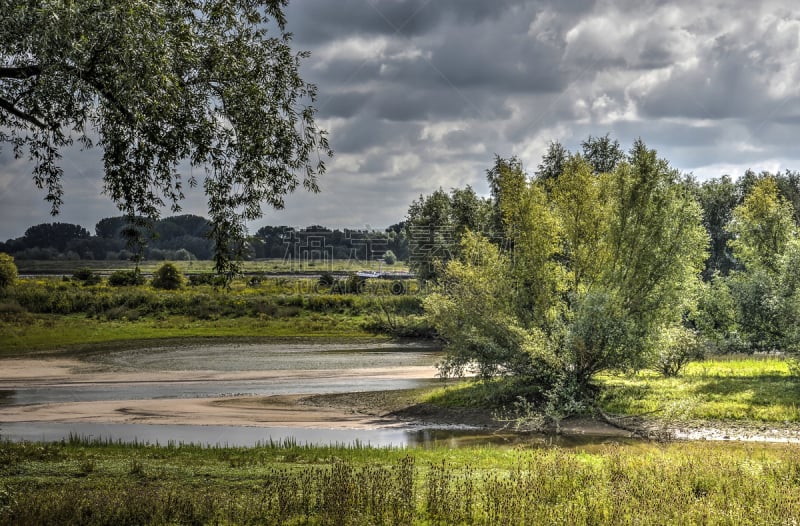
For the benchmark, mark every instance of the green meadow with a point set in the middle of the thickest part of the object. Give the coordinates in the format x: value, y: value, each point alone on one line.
x: 77, y: 482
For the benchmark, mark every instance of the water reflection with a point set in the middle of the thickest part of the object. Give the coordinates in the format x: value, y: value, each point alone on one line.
x: 254, y: 436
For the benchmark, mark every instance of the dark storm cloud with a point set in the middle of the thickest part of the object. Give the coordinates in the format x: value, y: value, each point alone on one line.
x: 320, y: 22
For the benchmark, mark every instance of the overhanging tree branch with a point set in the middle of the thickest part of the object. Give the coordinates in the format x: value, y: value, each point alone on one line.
x: 10, y: 108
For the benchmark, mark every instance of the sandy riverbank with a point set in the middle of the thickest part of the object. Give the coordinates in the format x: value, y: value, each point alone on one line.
x: 269, y: 411
x: 354, y: 410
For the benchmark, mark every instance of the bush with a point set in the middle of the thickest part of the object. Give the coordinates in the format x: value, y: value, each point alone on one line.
x: 326, y: 279
x: 389, y: 258
x: 677, y: 347
x: 8, y: 270
x: 167, y: 277
x: 86, y: 275
x: 206, y: 279
x: 352, y: 285
x: 124, y: 278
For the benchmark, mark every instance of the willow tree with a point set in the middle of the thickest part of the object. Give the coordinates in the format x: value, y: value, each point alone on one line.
x: 601, y: 267
x: 160, y: 86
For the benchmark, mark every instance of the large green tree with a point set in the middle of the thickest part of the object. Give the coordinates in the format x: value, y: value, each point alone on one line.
x: 160, y: 85
x: 8, y: 271
x: 602, y: 267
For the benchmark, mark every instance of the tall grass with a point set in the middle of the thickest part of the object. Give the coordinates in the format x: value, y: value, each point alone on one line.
x: 271, y: 297
x: 53, y: 313
x: 691, y: 483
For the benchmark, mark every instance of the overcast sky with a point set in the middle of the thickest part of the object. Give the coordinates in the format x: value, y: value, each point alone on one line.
x: 421, y: 94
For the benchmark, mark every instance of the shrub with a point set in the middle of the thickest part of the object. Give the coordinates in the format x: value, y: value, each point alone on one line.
x: 86, y: 275
x: 8, y: 270
x: 677, y: 347
x: 167, y: 277
x: 389, y: 258
x: 206, y: 279
x: 124, y: 278
x: 326, y: 279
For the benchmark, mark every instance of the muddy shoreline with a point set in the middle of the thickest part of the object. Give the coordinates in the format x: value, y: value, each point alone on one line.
x: 384, y: 409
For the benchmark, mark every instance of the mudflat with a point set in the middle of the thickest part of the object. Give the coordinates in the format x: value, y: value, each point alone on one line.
x: 46, y: 374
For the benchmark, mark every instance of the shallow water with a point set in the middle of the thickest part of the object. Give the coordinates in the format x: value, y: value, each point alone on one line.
x: 268, y: 357
x: 298, y: 359
x: 201, y: 389
x: 254, y: 436
x: 310, y: 369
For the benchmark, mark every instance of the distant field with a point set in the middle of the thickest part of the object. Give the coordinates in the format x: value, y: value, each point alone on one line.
x: 278, y: 266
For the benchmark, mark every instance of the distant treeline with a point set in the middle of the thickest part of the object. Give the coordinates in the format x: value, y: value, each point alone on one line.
x: 184, y: 237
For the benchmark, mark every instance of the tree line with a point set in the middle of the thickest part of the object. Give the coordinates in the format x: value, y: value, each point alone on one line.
x: 186, y: 237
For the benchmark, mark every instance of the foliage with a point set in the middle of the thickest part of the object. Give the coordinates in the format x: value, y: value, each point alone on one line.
x: 167, y: 277
x: 762, y: 227
x: 764, y: 292
x: 125, y: 278
x: 158, y: 84
x: 326, y: 279
x: 86, y: 276
x: 718, y: 198
x: 389, y: 258
x: 602, y: 153
x: 8, y: 270
x: 53, y: 235
x: 714, y: 316
x: 552, y: 164
x: 675, y: 348
x: 601, y: 264
x: 434, y: 224
x: 473, y: 312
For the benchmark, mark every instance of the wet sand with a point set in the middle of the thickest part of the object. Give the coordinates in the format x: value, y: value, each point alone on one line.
x: 269, y: 411
x: 358, y: 410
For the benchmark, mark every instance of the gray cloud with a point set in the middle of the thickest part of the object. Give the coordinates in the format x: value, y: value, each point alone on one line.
x: 419, y: 94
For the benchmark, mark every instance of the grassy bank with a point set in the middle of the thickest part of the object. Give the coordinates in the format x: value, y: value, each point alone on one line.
x: 49, y: 314
x: 57, y: 333
x: 720, y: 389
x: 733, y: 389
x: 284, y: 484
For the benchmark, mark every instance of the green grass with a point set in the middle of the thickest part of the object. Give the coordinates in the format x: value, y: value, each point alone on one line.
x: 203, y: 267
x: 48, y: 313
x: 760, y: 390
x: 697, y: 483
x: 55, y: 332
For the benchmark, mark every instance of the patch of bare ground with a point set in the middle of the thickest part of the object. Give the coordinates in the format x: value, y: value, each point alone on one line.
x: 403, y: 405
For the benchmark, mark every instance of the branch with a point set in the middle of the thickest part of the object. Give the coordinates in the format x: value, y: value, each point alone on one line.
x: 21, y: 72
x: 10, y: 108
x: 26, y: 72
